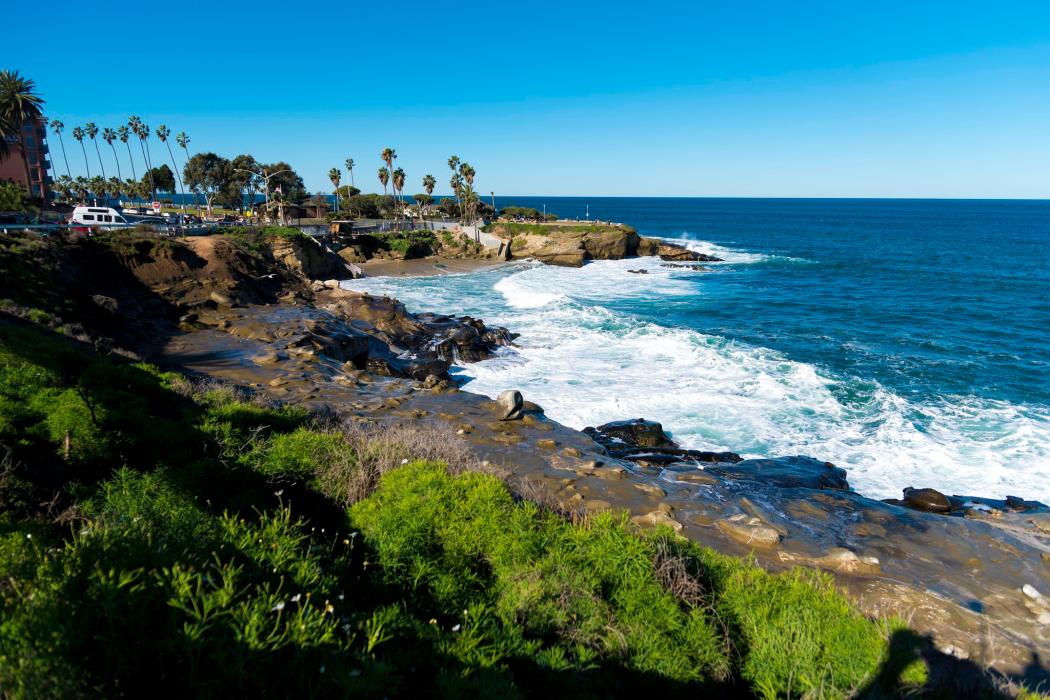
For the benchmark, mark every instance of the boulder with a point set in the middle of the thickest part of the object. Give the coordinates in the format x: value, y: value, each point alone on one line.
x: 787, y: 472
x: 563, y: 252
x: 638, y: 432
x: 509, y: 405
x: 611, y: 245
x: 749, y: 531
x: 307, y: 257
x: 928, y: 500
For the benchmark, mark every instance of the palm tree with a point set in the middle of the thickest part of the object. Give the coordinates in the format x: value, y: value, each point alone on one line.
x: 78, y: 134
x: 80, y: 188
x: 467, y: 171
x: 56, y: 127
x: 142, y: 131
x: 19, y: 105
x: 384, y: 177
x: 162, y: 133
x: 350, y: 169
x: 456, y: 181
x: 123, y: 133
x: 92, y: 131
x: 429, y: 183
x: 97, y: 185
x: 398, y: 178
x: 388, y: 156
x: 184, y: 141
x: 109, y: 136
x: 335, y: 176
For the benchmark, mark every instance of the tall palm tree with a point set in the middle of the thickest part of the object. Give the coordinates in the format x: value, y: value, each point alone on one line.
x: 163, y: 133
x: 109, y: 136
x: 184, y: 142
x: 335, y: 176
x: 350, y: 169
x: 141, y: 130
x: 78, y: 134
x: 92, y: 131
x: 456, y: 181
x: 388, y: 156
x: 429, y: 183
x: 80, y: 188
x: 123, y: 133
x: 467, y: 171
x: 398, y: 178
x: 384, y: 177
x: 19, y: 105
x: 56, y: 127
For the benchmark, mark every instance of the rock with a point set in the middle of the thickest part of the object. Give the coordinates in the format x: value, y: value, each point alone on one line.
x: 787, y: 472
x: 639, y: 272
x: 530, y: 407
x: 650, y: 489
x: 219, y: 298
x: 927, y: 500
x: 638, y: 432
x: 562, y: 254
x: 694, y: 268
x: 108, y: 303
x: 671, y: 251
x: 572, y: 452
x: 657, y: 517
x: 509, y: 405
x: 751, y: 532
x: 304, y: 255
x: 546, y: 443
x: 696, y: 477
x: 845, y: 561
x: 1031, y: 592
x: 331, y: 284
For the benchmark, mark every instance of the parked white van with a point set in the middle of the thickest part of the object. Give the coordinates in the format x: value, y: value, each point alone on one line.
x: 104, y: 218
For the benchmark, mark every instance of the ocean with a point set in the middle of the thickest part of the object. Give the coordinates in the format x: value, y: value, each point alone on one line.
x: 907, y: 341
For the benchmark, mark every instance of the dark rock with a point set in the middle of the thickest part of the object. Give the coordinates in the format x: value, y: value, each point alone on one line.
x: 509, y: 405
x: 108, y: 303
x: 639, y: 272
x: 787, y: 472
x: 928, y: 500
x: 694, y: 268
x: 638, y: 433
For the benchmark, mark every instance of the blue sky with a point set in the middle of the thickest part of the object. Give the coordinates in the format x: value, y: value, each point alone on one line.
x: 887, y: 99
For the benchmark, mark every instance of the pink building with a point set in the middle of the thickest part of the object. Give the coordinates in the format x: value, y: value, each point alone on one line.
x: 12, y: 167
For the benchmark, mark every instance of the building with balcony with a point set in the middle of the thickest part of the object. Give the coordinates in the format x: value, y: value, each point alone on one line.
x: 36, y: 154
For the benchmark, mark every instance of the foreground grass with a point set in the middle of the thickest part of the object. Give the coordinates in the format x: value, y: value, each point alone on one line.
x: 160, y: 538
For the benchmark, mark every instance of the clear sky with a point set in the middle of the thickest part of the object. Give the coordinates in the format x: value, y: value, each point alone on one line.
x: 758, y: 98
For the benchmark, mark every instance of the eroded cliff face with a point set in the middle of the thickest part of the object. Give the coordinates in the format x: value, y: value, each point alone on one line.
x: 575, y: 245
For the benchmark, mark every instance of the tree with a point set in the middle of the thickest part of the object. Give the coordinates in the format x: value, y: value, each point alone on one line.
x: 92, y: 131
x: 162, y: 133
x: 350, y: 169
x: 160, y: 178
x: 56, y: 127
x: 320, y: 203
x: 209, y: 174
x: 19, y: 105
x: 123, y: 133
x: 142, y: 131
x: 109, y: 136
x: 456, y: 182
x: 289, y: 183
x: 398, y: 179
x: 244, y: 179
x: 184, y: 141
x: 334, y: 175
x: 384, y: 177
x: 388, y: 156
x: 78, y: 134
x: 12, y: 197
x: 423, y: 201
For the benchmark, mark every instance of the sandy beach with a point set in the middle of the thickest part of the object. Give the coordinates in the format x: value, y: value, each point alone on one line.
x: 425, y: 267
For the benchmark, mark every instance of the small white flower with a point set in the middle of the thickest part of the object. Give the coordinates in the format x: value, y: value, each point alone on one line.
x: 279, y: 606
x: 404, y: 461
x: 296, y: 597
x: 456, y: 628
x: 278, y: 493
x: 29, y: 536
x: 341, y: 596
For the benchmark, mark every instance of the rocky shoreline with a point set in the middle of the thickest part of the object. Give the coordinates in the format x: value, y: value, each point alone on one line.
x: 971, y: 573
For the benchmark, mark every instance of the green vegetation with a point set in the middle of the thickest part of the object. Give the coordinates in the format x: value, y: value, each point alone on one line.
x: 12, y: 197
x: 513, y: 229
x: 256, y: 239
x: 156, y: 534
x: 527, y: 213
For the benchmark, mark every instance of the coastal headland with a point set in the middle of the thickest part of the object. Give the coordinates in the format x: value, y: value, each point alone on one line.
x: 266, y: 313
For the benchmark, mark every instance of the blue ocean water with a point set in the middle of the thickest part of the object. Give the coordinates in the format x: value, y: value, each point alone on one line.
x: 905, y: 340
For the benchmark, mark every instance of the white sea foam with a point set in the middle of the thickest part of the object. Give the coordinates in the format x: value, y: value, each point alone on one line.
x: 586, y: 364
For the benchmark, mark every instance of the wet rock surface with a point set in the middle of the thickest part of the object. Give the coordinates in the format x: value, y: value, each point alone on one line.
x: 804, y: 472
x: 644, y: 442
